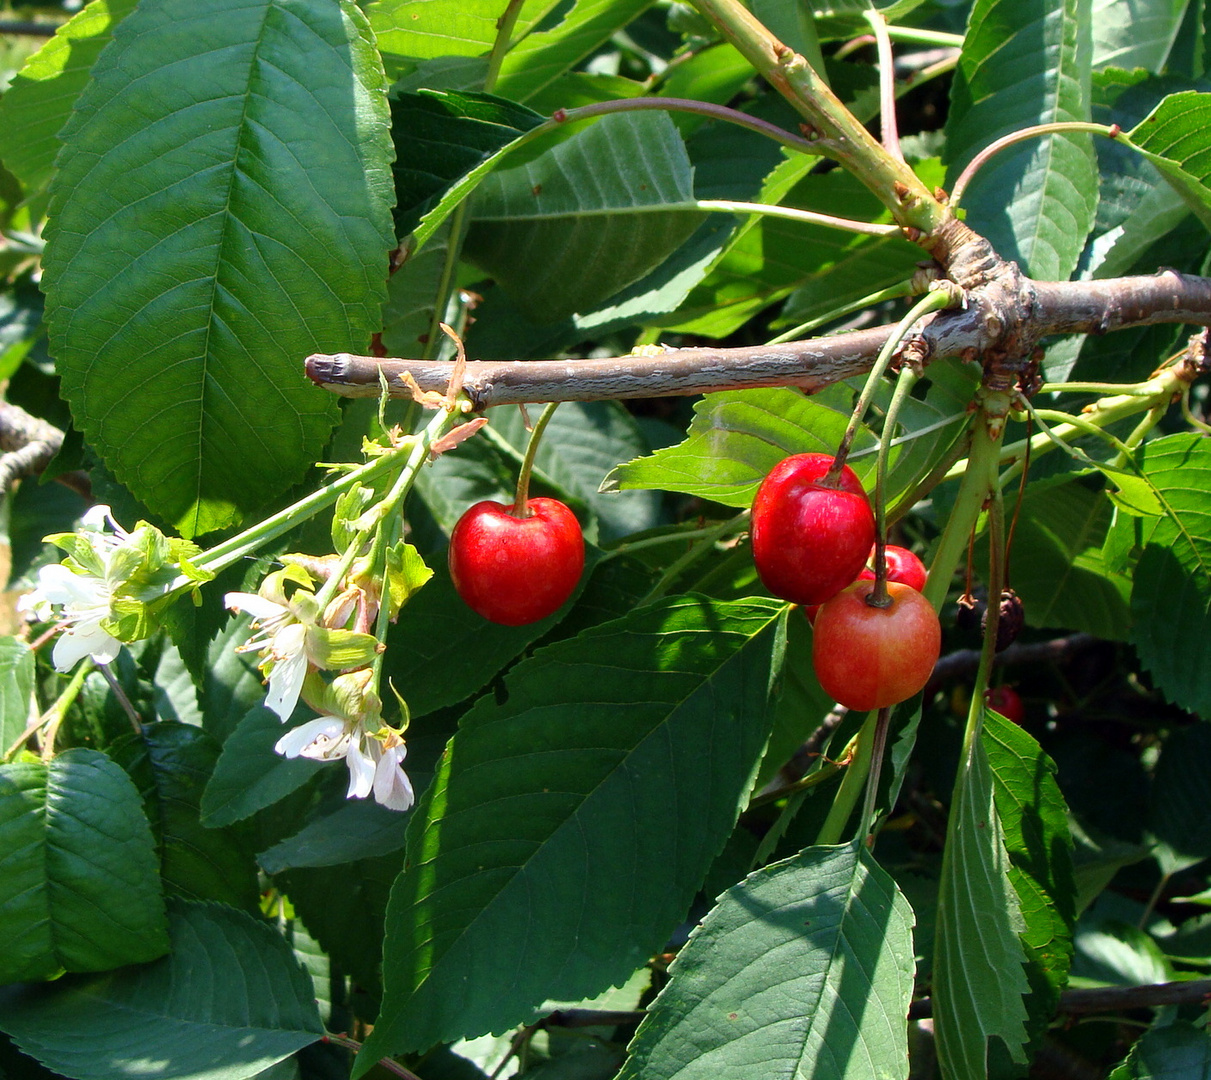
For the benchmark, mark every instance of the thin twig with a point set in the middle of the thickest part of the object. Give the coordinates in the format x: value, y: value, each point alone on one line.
x: 1109, y: 999
x: 115, y: 688
x: 390, y: 1064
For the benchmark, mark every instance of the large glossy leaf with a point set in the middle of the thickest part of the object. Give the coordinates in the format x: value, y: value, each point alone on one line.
x: 1171, y: 594
x: 1138, y: 35
x: 803, y: 969
x: 1027, y: 63
x: 587, y: 217
x: 16, y: 689
x: 736, y: 437
x: 1176, y: 1051
x: 229, y: 1001
x: 220, y: 210
x: 568, y: 828
x: 79, y: 882
x: 1035, y: 822
x: 40, y: 97
x: 171, y: 763
x: 978, y: 979
x: 1170, y: 137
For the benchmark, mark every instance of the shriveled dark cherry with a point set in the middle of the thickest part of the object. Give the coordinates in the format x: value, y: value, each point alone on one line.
x: 810, y: 540
x: 516, y: 570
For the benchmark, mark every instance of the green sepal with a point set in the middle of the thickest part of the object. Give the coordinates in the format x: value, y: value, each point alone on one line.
x: 335, y: 650
x: 406, y: 573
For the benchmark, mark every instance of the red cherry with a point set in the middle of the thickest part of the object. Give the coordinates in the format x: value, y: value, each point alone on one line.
x: 514, y: 570
x: 868, y: 657
x: 903, y: 566
x: 1007, y: 701
x: 812, y: 610
x: 809, y: 540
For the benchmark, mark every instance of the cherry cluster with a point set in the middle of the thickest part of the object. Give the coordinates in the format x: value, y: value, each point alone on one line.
x: 812, y: 537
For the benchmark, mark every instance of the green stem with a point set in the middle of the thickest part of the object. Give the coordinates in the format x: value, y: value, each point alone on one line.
x: 441, y: 300
x: 56, y: 712
x: 979, y: 478
x: 867, y: 821
x: 500, y: 46
x: 851, y: 785
x: 709, y: 538
x: 809, y: 217
x: 904, y: 385
x: 908, y: 35
x: 992, y: 149
x: 934, y: 300
x: 887, y: 84
x: 804, y: 783
x: 714, y: 532
x: 894, y: 292
x: 521, y: 507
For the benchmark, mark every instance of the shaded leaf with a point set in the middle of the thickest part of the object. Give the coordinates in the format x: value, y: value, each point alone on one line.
x: 1171, y: 595
x: 978, y: 981
x: 1180, y: 805
x: 633, y: 745
x: 1139, y: 35
x: 79, y: 882
x: 1027, y: 63
x: 217, y: 157
x: 803, y: 969
x: 357, y: 829
x: 171, y: 763
x: 1176, y: 1051
x: 249, y: 774
x: 200, y: 1012
x: 587, y: 217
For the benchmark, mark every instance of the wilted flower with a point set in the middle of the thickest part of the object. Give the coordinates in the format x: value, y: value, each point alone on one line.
x: 373, y: 753
x: 290, y: 640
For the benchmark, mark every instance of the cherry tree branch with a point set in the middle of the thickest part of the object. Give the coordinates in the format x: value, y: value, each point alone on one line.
x: 1009, y: 321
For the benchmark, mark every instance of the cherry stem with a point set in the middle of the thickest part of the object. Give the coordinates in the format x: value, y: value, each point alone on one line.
x: 851, y: 785
x: 934, y: 300
x: 867, y: 822
x: 521, y: 504
x: 878, y: 597
x: 389, y: 1064
x: 887, y: 84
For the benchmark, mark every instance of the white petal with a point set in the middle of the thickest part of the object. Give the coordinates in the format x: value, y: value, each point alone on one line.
x: 81, y: 640
x: 256, y: 606
x: 392, y: 787
x: 323, y: 739
x: 361, y: 770
x: 60, y: 586
x: 96, y: 517
x: 286, y: 683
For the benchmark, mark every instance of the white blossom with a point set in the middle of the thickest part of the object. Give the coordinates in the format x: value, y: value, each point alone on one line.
x: 282, y: 640
x: 374, y: 768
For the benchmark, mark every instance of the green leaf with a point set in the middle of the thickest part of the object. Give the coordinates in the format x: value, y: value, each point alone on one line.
x: 1034, y: 819
x: 736, y: 437
x: 80, y: 888
x: 1137, y: 36
x: 1027, y: 63
x: 978, y: 981
x: 40, y: 97
x: 440, y: 136
x: 217, y: 158
x: 586, y: 218
x: 1059, y: 570
x: 357, y: 829
x: 432, y: 28
x: 1171, y: 137
x: 171, y: 763
x: 1177, y: 1051
x: 629, y: 747
x: 1180, y: 795
x: 545, y: 54
x: 17, y: 706
x: 1171, y: 595
x: 250, y: 774
x: 803, y: 969
x: 229, y: 1001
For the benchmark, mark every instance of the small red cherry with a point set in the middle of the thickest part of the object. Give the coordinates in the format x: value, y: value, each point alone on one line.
x: 903, y: 566
x: 516, y: 570
x: 810, y: 540
x: 1007, y: 701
